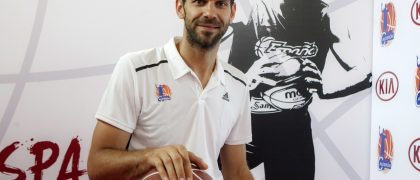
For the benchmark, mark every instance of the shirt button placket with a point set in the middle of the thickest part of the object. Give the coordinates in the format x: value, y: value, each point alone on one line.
x: 202, y: 99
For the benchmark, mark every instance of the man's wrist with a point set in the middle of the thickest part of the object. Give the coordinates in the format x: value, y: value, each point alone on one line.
x: 143, y: 163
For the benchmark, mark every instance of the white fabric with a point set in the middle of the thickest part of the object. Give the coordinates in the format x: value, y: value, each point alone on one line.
x: 202, y: 120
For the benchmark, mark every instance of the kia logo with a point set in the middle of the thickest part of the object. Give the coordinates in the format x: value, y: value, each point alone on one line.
x: 415, y: 12
x: 414, y: 154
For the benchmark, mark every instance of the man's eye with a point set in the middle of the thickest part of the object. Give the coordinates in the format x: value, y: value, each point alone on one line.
x: 222, y: 4
x: 199, y: 2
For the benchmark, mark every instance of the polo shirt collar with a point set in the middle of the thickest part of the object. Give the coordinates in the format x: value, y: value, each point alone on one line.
x: 220, y: 72
x: 178, y: 66
x: 176, y: 63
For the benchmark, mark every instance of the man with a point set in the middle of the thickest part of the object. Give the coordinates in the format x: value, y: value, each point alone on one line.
x: 282, y: 48
x: 175, y: 106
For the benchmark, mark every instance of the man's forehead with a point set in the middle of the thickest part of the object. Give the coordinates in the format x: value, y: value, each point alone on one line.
x: 209, y: 0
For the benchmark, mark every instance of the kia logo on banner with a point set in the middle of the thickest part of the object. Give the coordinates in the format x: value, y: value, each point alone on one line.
x: 387, y: 86
x: 414, y: 154
x: 415, y: 12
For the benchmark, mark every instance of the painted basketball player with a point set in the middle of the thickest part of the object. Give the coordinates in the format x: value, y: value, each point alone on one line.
x: 283, y: 49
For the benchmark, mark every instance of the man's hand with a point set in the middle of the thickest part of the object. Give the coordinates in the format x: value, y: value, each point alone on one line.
x: 174, y: 161
x: 109, y: 158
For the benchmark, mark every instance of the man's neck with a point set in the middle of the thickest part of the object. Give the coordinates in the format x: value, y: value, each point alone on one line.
x: 201, y: 61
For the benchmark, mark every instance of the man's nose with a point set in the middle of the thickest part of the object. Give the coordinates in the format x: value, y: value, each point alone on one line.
x: 210, y: 11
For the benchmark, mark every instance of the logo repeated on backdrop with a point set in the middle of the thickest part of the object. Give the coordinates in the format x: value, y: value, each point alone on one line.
x: 387, y: 86
x: 385, y: 150
x: 163, y: 92
x: 418, y: 83
x: 415, y: 12
x: 388, y: 23
x: 414, y: 154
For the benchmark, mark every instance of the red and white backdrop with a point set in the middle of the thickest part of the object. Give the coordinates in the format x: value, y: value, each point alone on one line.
x: 395, y: 134
x: 56, y: 58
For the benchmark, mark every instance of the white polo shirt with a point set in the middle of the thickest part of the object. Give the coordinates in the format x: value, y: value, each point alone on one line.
x: 155, y: 96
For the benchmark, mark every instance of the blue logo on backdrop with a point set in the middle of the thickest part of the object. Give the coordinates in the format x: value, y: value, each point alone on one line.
x: 385, y: 150
x: 418, y: 82
x: 388, y: 23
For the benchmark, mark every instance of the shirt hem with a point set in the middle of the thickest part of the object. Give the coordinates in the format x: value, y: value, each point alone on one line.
x: 113, y: 122
x: 240, y: 141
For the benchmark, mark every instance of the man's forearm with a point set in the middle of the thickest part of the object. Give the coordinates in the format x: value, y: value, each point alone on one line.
x: 117, y: 164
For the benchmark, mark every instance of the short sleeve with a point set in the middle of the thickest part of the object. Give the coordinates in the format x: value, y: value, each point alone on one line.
x: 120, y: 104
x: 241, y: 132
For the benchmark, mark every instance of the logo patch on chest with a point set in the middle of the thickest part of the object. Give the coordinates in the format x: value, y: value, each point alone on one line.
x: 163, y: 92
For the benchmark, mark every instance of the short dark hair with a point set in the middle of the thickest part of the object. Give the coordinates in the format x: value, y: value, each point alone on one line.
x: 231, y: 2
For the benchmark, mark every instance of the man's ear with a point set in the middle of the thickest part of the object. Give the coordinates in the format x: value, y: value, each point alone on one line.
x: 233, y: 12
x: 180, y: 9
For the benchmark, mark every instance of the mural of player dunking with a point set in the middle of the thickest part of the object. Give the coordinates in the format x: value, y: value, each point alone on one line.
x: 283, y: 49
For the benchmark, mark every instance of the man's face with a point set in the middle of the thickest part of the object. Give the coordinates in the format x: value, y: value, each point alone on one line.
x: 206, y: 21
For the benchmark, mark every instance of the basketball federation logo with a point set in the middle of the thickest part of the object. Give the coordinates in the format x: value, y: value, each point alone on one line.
x: 388, y: 23
x: 163, y: 92
x: 418, y: 83
x: 385, y: 150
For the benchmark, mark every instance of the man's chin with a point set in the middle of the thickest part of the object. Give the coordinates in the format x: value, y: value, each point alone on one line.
x: 204, y: 40
x: 207, y: 36
x: 205, y: 43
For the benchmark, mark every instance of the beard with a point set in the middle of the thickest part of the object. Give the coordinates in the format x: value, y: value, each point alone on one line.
x: 205, y: 41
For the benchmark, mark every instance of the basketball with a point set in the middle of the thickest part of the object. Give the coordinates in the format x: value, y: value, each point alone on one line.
x: 285, y: 97
x: 262, y: 45
x: 197, y: 175
x: 418, y: 83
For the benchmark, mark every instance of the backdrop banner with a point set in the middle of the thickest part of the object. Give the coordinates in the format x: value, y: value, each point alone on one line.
x: 395, y: 134
x: 308, y: 65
